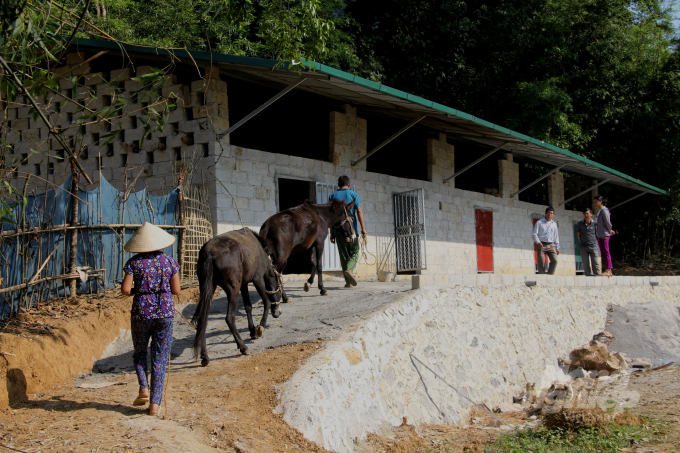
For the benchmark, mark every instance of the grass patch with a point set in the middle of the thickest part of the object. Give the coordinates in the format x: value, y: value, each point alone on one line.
x: 587, y: 440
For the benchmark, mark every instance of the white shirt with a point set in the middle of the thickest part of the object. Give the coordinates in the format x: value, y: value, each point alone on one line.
x: 545, y: 231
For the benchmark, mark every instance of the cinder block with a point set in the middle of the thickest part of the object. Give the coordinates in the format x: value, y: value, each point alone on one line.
x: 143, y: 70
x: 135, y: 159
x: 188, y: 126
x: 175, y: 141
x: 204, y: 136
x: 19, y: 124
x: 172, y: 91
x: 177, y: 115
x: 75, y: 58
x: 131, y: 85
x: 122, y: 123
x: 13, y: 137
x: 130, y: 135
x: 30, y: 135
x: 217, y: 97
x: 210, y: 110
x: 208, y: 85
x: 121, y: 75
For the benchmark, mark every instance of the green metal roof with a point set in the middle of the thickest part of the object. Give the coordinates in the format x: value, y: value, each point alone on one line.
x: 372, y: 95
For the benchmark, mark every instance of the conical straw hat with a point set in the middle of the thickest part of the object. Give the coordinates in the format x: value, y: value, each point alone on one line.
x: 149, y: 238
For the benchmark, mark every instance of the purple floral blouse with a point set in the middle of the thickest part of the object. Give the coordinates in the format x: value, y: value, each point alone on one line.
x: 151, y: 273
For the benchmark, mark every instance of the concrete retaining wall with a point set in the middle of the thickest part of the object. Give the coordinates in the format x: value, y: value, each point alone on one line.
x: 488, y: 341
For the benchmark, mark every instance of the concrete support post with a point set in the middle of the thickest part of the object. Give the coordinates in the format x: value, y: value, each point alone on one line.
x: 348, y: 137
x: 593, y: 193
x: 440, y: 159
x: 508, y: 176
x: 555, y: 189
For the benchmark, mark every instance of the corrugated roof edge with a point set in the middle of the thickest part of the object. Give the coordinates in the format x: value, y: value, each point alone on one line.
x: 333, y: 72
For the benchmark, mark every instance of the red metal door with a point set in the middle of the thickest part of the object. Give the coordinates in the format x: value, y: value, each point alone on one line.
x: 484, y: 228
x: 536, y: 246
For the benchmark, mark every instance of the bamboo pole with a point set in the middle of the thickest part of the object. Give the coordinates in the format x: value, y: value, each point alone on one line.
x: 23, y: 247
x: 12, y: 233
x: 73, y: 246
x: 180, y: 207
x: 41, y: 280
x: 101, y: 233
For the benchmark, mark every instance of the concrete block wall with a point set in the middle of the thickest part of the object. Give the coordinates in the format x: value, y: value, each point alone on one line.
x: 487, y: 341
x: 250, y: 175
x: 508, y: 176
x: 200, y: 109
x: 348, y: 137
x: 440, y: 159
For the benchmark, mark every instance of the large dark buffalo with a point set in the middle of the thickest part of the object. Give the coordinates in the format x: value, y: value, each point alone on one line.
x: 303, y: 229
x: 230, y: 261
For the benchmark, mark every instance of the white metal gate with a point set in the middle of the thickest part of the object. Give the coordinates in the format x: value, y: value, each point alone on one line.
x: 331, y: 258
x: 409, y: 230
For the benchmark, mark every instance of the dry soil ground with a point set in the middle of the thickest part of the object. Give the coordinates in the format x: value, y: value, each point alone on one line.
x: 659, y: 406
x: 229, y: 405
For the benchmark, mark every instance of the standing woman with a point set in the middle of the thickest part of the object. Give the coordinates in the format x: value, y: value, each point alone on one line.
x: 156, y: 279
x: 604, y: 232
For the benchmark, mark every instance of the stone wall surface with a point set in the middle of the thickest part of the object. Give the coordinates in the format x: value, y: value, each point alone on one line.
x: 250, y: 175
x: 487, y: 341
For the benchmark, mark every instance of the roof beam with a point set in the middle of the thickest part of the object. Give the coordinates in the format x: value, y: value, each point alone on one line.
x: 275, y: 98
x: 538, y: 180
x: 630, y: 199
x: 585, y: 191
x: 474, y: 163
x: 392, y: 137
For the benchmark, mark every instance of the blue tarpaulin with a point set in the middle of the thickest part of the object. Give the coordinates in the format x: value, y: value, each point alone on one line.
x: 98, y: 248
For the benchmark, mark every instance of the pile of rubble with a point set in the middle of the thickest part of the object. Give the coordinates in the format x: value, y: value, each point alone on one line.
x: 591, y: 385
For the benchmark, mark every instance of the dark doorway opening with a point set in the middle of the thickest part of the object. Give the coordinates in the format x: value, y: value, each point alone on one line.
x: 288, y: 126
x: 403, y: 157
x: 482, y: 177
x: 294, y: 192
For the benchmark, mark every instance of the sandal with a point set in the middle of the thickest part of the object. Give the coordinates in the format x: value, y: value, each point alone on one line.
x: 140, y: 401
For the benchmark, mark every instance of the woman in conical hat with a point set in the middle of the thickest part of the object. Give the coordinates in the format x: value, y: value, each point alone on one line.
x: 156, y: 279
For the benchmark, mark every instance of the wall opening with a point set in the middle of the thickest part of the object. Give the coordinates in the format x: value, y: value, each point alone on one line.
x: 574, y: 184
x: 483, y: 177
x: 403, y: 157
x: 529, y: 172
x: 291, y: 193
x: 295, y: 125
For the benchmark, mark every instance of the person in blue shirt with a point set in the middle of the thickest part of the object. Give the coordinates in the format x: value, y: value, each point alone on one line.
x: 349, y: 251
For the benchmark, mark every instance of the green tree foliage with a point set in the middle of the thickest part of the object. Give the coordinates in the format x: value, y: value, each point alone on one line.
x: 598, y: 77
x: 284, y: 30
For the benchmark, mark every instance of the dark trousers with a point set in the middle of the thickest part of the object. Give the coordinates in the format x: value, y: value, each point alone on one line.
x: 160, y: 333
x: 590, y: 255
x: 549, y: 249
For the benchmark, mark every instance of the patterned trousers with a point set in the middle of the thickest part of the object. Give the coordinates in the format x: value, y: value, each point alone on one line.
x: 160, y: 333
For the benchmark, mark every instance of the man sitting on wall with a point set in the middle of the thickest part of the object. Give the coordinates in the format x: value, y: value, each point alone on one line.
x: 349, y: 251
x: 547, y: 239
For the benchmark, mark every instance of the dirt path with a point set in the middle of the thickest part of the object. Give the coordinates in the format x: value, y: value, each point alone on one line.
x: 224, y: 407
x: 660, y: 400
x: 309, y: 317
